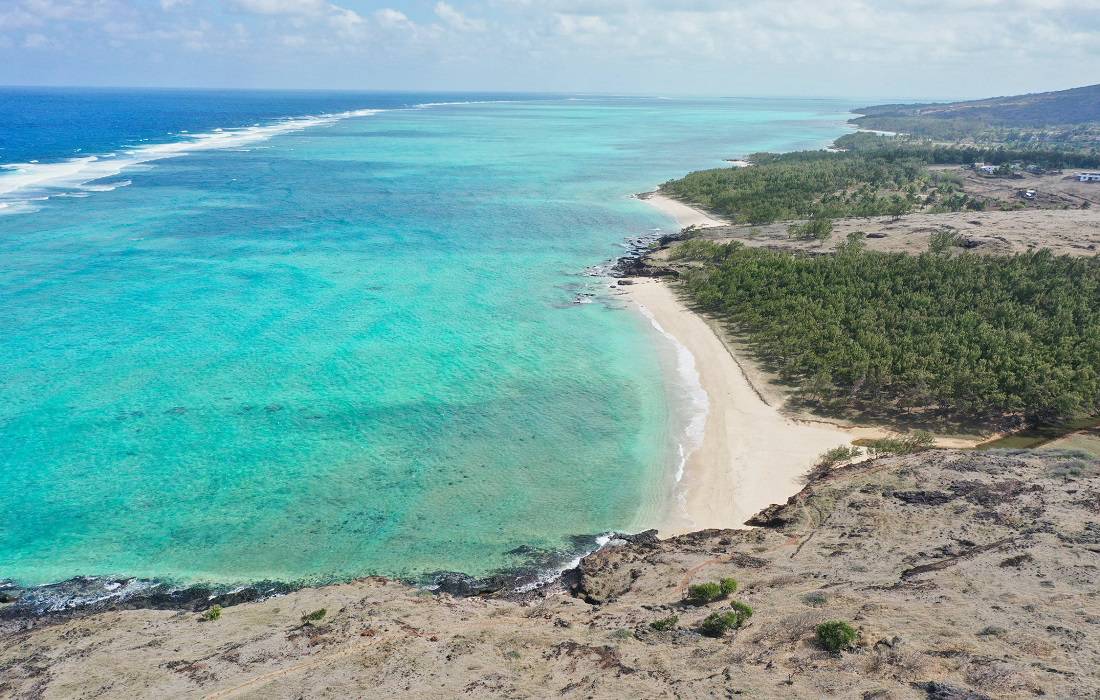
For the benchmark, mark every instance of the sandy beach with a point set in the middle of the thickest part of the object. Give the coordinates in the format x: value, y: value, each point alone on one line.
x: 685, y: 216
x: 750, y: 455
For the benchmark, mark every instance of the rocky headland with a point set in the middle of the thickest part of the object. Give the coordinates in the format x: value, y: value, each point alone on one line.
x: 965, y: 575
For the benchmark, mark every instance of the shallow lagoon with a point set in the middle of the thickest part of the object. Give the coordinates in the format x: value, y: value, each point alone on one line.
x: 345, y: 349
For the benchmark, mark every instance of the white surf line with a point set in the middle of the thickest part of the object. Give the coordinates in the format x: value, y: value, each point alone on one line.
x: 698, y: 402
x: 555, y: 573
x: 21, y: 184
x: 24, y: 183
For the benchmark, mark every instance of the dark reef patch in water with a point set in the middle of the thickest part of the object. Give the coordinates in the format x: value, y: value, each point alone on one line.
x: 87, y: 595
x: 92, y: 594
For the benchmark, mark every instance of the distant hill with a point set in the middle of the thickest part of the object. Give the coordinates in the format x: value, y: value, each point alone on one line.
x: 1074, y: 116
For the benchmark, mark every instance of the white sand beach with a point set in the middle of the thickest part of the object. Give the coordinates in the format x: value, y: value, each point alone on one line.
x: 685, y: 216
x: 750, y: 455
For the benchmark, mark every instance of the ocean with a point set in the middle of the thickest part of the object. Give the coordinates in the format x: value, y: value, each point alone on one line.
x: 307, y: 336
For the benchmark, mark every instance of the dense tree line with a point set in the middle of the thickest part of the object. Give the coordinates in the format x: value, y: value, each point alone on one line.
x: 820, y: 184
x: 894, y: 148
x: 964, y: 338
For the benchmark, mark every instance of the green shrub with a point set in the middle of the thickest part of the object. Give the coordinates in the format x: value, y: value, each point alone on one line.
x: 942, y: 241
x: 665, y: 624
x: 213, y: 613
x: 835, y: 635
x: 717, y: 624
x: 918, y: 441
x: 703, y: 593
x: 812, y: 230
x: 838, y: 455
x: 742, y: 610
x: 622, y: 634
x: 314, y: 616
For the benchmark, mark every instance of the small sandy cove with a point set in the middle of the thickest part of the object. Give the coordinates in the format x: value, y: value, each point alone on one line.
x: 685, y: 216
x: 751, y: 455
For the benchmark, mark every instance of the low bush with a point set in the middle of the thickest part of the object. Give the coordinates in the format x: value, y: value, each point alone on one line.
x: 742, y: 610
x: 812, y: 230
x: 212, y: 614
x: 717, y: 624
x: 835, y: 635
x: 918, y: 441
x: 815, y: 599
x: 314, y: 616
x: 665, y: 624
x: 839, y: 455
x: 703, y: 593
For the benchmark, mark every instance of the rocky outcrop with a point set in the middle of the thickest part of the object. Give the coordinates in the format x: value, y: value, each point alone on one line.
x: 965, y: 574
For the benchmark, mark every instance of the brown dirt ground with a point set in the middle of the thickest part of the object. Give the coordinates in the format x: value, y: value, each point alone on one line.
x: 963, y: 572
x: 1063, y: 232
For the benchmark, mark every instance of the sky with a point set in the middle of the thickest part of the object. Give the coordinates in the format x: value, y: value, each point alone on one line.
x: 843, y: 48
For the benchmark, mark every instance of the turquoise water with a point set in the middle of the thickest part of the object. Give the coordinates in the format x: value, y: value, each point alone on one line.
x: 349, y: 348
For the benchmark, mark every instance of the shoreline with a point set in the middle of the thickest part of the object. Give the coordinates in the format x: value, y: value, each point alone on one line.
x: 749, y: 455
x: 684, y: 214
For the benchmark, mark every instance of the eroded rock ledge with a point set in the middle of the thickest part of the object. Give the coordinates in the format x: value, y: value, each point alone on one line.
x: 966, y: 574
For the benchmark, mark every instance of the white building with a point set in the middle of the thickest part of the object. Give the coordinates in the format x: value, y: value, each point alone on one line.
x: 1088, y: 177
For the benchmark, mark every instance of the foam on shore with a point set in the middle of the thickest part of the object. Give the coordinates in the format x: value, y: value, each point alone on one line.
x: 695, y: 400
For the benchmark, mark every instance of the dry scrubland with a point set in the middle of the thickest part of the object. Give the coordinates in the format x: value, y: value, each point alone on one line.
x: 1063, y: 232
x: 1064, y: 217
x: 967, y: 575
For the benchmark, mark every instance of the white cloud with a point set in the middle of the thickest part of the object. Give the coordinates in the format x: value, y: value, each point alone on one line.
x: 284, y: 7
x: 456, y: 20
x: 389, y: 17
x: 17, y: 17
x: 36, y: 41
x: 696, y: 45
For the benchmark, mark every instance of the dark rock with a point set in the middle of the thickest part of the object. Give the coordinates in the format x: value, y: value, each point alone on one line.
x: 938, y: 690
x: 925, y: 498
x: 876, y: 234
x: 90, y: 594
x: 774, y: 516
x: 1016, y: 561
x: 462, y: 585
x: 647, y: 538
x: 992, y: 494
x: 892, y: 643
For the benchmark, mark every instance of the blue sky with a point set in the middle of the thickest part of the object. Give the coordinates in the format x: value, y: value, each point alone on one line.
x: 856, y: 48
